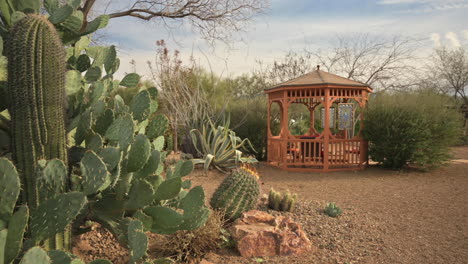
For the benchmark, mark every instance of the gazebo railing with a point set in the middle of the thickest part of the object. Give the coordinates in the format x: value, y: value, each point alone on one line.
x: 310, y: 154
x: 347, y: 152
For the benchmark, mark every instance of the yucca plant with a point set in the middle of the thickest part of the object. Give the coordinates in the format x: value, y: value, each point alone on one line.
x: 219, y: 146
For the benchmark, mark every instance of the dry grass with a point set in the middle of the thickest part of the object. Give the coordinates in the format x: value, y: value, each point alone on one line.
x: 189, y: 245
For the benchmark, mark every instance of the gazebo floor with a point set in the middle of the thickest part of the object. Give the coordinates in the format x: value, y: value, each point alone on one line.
x: 318, y: 167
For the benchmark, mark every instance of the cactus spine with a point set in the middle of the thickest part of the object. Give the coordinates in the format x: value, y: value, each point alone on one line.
x: 237, y: 193
x: 281, y: 202
x: 36, y: 92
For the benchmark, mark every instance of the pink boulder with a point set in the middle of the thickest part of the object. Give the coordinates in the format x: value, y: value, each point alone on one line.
x: 259, y: 234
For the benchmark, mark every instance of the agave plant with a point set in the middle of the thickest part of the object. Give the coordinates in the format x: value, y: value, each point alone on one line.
x: 219, y: 146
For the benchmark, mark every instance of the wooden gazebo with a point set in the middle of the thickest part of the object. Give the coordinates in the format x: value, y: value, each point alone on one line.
x: 331, y: 147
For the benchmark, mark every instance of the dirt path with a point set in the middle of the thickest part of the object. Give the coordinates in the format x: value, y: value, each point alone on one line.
x: 422, y: 217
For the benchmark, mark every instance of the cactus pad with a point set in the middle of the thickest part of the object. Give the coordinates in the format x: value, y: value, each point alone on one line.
x: 141, y: 194
x: 157, y: 126
x: 53, y: 215
x: 168, y: 189
x: 35, y: 255
x: 130, y: 80
x: 95, y: 175
x: 150, y: 167
x: 140, y: 106
x: 121, y: 131
x: 137, y: 240
x: 139, y: 153
x: 9, y: 188
x: 17, y: 226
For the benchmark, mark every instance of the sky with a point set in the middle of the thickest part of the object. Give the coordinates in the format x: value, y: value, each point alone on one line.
x: 291, y: 25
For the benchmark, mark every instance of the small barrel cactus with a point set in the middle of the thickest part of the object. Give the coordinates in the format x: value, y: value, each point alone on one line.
x: 281, y: 202
x: 237, y: 193
x: 332, y: 210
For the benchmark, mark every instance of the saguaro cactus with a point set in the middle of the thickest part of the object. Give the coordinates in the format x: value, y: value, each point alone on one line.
x: 37, y: 102
x: 36, y: 91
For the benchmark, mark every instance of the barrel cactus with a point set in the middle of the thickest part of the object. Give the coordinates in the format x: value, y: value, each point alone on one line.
x: 237, y: 193
x: 37, y: 103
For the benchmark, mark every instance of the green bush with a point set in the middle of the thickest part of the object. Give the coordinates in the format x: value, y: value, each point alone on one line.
x: 415, y: 128
x: 249, y: 119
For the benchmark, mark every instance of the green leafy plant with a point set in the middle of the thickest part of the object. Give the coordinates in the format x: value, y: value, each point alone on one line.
x: 237, y: 193
x: 281, y: 201
x: 250, y: 116
x: 219, y: 146
x: 411, y: 128
x: 332, y: 210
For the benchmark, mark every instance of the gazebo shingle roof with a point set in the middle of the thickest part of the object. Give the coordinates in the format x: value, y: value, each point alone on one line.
x: 319, y: 77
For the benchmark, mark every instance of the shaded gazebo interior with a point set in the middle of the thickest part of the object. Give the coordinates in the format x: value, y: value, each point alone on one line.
x: 334, y: 140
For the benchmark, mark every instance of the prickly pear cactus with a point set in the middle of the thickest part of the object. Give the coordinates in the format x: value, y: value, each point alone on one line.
x: 237, y: 193
x: 36, y: 92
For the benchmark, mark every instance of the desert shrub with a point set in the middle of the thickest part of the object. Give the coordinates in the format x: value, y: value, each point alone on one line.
x: 189, y: 245
x: 415, y: 128
x: 332, y: 210
x: 249, y: 120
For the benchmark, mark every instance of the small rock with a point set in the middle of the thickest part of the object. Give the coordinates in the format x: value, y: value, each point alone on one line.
x: 204, y: 261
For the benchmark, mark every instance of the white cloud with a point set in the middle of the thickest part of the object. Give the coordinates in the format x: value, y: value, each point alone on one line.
x: 453, y: 38
x: 436, y: 38
x: 396, y: 2
x: 465, y: 33
x: 425, y: 6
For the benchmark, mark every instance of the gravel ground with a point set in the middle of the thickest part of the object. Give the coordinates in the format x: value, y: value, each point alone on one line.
x: 388, y: 217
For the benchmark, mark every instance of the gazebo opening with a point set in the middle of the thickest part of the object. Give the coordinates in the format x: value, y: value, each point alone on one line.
x: 275, y: 118
x: 299, y: 120
x: 316, y: 122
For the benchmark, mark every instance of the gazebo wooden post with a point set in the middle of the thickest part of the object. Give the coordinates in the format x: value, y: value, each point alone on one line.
x: 269, y: 134
x: 364, y: 144
x: 284, y: 129
x: 311, y: 119
x: 326, y: 130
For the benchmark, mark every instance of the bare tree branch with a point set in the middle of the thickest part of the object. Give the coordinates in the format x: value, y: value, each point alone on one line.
x: 448, y: 72
x: 381, y: 63
x: 214, y: 19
